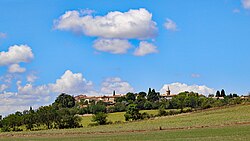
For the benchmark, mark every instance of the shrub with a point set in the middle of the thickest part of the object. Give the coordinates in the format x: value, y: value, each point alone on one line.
x: 111, y: 109
x: 186, y: 110
x: 100, y: 118
x: 132, y: 113
x: 145, y: 115
x: 118, y: 122
x: 5, y: 129
x: 162, y: 112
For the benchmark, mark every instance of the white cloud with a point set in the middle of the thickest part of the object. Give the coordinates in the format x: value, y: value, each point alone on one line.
x: 3, y: 35
x: 115, y: 46
x: 31, y: 77
x: 116, y: 84
x: 16, y: 54
x: 29, y: 89
x: 13, y: 101
x: 3, y: 87
x: 246, y: 4
x: 181, y: 87
x: 128, y: 25
x: 170, y: 25
x: 15, y: 68
x: 35, y: 96
x: 72, y: 83
x: 7, y: 78
x: 145, y: 48
x: 25, y: 97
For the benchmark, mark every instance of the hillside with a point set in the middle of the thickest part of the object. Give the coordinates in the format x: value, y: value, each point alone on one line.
x: 230, y: 123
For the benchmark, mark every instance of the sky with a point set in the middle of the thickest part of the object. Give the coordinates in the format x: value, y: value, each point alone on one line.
x: 95, y: 47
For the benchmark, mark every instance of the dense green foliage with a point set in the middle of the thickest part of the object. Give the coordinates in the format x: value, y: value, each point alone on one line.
x: 100, y: 118
x: 64, y: 101
x: 132, y: 113
x: 58, y: 115
x: 63, y: 113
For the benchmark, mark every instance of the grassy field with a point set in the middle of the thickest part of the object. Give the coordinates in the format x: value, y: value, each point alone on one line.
x: 231, y: 123
x: 113, y: 117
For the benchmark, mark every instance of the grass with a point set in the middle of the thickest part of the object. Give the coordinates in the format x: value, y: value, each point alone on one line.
x: 231, y: 123
x: 113, y: 117
x: 236, y: 133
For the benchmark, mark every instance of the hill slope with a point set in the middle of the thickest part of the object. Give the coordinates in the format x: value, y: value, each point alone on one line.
x: 232, y: 123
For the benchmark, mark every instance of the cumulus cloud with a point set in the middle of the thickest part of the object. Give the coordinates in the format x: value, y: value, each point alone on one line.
x: 181, y: 87
x: 115, y: 84
x: 145, y: 48
x: 13, y: 101
x: 3, y: 87
x: 3, y: 35
x: 15, y: 68
x: 16, y: 54
x: 170, y: 25
x: 114, y: 29
x: 126, y: 25
x: 26, y: 96
x: 72, y: 83
x: 35, y: 96
x: 246, y: 4
x: 115, y: 46
x: 29, y: 89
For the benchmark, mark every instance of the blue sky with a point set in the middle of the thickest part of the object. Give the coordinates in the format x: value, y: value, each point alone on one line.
x: 198, y: 46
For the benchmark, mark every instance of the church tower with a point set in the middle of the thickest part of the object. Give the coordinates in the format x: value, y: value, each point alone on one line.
x: 168, y: 91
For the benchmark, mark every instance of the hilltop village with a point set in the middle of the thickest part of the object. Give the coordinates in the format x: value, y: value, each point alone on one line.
x: 111, y: 99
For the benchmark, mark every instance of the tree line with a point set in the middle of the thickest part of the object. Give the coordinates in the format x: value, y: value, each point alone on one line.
x: 64, y: 111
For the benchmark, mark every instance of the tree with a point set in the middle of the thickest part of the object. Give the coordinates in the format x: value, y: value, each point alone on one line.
x: 12, y: 121
x: 97, y: 107
x: 222, y: 94
x: 120, y: 99
x: 64, y: 101
x: 218, y: 94
x: 130, y: 96
x: 119, y: 107
x: 47, y: 115
x: 100, y: 118
x: 66, y: 120
x: 152, y: 95
x: 181, y: 101
x: 211, y: 95
x: 235, y: 95
x: 162, y: 111
x: 148, y: 105
x: 142, y: 94
x: 132, y: 113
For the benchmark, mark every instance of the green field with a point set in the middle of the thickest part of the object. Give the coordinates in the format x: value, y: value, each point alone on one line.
x: 113, y: 117
x: 232, y: 123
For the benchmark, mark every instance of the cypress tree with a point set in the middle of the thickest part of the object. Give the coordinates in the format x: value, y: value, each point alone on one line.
x: 218, y: 94
x: 223, y: 93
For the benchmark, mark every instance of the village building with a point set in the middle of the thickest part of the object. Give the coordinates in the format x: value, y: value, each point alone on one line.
x: 109, y: 100
x: 167, y: 95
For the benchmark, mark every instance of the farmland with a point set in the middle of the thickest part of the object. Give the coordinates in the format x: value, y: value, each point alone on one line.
x: 226, y: 123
